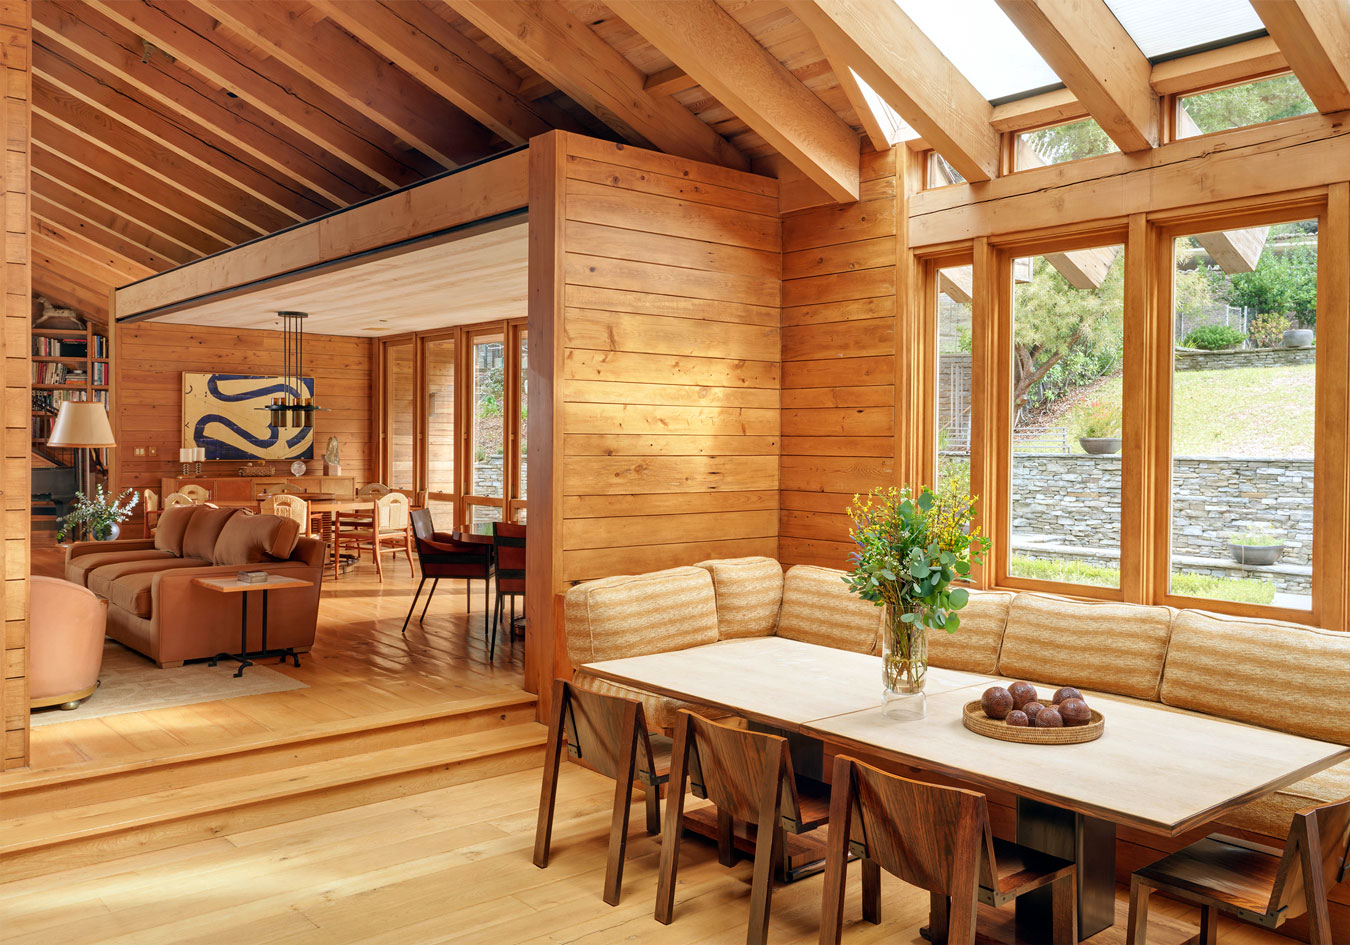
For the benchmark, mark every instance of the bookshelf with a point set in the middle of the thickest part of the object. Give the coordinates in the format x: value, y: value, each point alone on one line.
x: 68, y: 364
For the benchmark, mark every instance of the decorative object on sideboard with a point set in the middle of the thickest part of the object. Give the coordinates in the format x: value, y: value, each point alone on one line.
x: 191, y: 458
x: 258, y: 468
x: 332, y: 461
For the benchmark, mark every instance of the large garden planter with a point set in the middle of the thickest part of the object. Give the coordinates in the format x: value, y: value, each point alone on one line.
x: 1099, y: 445
x: 1261, y: 555
x: 1298, y: 338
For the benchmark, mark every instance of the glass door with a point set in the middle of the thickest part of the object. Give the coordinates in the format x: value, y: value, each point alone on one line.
x: 486, y: 427
x: 439, y: 441
x: 399, y: 415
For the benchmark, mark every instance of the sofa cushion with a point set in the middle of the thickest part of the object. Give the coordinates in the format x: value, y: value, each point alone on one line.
x: 131, y: 592
x: 200, y: 539
x: 80, y: 567
x: 1276, y: 675
x: 102, y: 579
x: 975, y: 645
x: 252, y: 539
x: 1109, y: 647
x: 1272, y: 815
x: 633, y: 615
x: 660, y: 711
x: 749, y: 594
x: 172, y: 526
x: 819, y: 608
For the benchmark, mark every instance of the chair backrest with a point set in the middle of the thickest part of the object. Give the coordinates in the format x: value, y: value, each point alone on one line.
x: 174, y: 499
x: 289, y: 506
x: 732, y: 767
x: 393, y: 510
x: 195, y: 492
x: 373, y: 489
x: 930, y: 836
x: 416, y: 497
x: 151, y: 499
x: 1318, y: 846
x: 509, y: 541
x: 594, y: 725
x: 423, y: 526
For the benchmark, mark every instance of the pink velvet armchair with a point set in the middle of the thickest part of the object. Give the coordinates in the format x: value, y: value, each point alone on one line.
x: 65, y: 642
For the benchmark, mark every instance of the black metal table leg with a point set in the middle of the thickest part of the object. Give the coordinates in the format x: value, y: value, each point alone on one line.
x: 1091, y: 844
x: 242, y: 659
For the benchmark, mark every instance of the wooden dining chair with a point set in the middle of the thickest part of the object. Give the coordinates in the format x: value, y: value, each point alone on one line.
x: 748, y: 776
x: 508, y: 544
x: 939, y: 839
x: 1250, y: 881
x: 610, y: 735
x: 389, y: 532
x: 175, y: 499
x: 152, y: 513
x: 198, y: 494
x: 290, y: 506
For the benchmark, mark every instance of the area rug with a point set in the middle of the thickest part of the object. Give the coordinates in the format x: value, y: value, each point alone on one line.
x: 131, y: 683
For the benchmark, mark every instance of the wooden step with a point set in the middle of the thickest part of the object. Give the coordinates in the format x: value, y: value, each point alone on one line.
x: 65, y: 837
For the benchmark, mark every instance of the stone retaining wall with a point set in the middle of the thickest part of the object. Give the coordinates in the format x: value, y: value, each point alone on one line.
x: 1191, y: 360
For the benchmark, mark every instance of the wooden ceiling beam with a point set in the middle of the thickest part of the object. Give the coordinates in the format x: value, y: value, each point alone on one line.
x: 1314, y: 36
x: 669, y: 81
x: 873, y: 124
x: 71, y: 269
x: 1097, y: 60
x: 444, y: 60
x: 902, y: 65
x: 84, y: 36
x: 105, y: 95
x: 733, y: 67
x: 95, y: 231
x: 565, y: 51
x: 356, y: 74
x: 104, y: 260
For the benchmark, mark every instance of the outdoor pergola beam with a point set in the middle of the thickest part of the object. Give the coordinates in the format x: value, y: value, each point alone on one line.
x: 1095, y: 57
x: 902, y: 65
x: 1084, y: 268
x: 712, y: 47
x: 957, y: 283
x: 1314, y: 36
x: 1235, y: 251
x: 565, y: 51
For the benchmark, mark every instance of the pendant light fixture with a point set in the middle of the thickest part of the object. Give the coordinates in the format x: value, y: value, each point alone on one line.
x: 294, y: 408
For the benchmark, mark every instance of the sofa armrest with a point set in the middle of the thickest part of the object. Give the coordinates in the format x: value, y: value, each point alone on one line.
x: 77, y: 548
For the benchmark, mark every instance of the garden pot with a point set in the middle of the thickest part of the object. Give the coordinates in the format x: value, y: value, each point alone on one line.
x: 108, y: 534
x: 1099, y: 445
x: 1256, y: 554
x: 1298, y: 338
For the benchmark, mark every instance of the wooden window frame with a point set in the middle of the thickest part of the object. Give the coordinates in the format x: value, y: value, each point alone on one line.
x: 1170, y: 105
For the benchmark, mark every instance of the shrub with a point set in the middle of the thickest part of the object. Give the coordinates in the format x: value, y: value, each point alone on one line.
x: 1267, y: 331
x: 1213, y: 338
x: 1261, y: 536
x: 1096, y: 418
x: 1239, y: 590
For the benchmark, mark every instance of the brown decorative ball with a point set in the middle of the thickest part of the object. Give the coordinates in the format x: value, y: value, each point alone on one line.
x: 1049, y: 718
x: 1067, y: 692
x: 996, y: 702
x: 1075, y: 712
x: 1018, y: 717
x: 1022, y: 693
x: 1033, y: 709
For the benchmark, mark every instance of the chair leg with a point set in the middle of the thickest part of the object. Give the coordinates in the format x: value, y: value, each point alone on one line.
x: 492, y: 642
x: 407, y: 549
x: 726, y: 838
x: 548, y: 793
x: 623, y: 802
x: 413, y: 606
x: 468, y: 595
x: 766, y: 855
x: 375, y: 552
x: 965, y: 906
x: 1136, y: 930
x: 1209, y: 925
x: 670, y: 834
x: 1064, y: 910
x: 652, y: 794
x: 939, y: 916
x: 871, y: 891
x: 434, y: 582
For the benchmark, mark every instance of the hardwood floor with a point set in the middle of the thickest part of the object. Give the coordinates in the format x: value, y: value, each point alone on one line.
x: 451, y: 865
x: 361, y: 666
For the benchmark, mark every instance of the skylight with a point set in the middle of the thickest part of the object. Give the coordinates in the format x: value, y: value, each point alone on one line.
x: 1161, y: 28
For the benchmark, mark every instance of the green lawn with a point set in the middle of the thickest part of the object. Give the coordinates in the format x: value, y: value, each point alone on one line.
x: 1243, y: 590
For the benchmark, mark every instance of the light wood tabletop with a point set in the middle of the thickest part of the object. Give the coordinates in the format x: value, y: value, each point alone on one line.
x: 231, y: 585
x: 346, y: 504
x: 773, y: 680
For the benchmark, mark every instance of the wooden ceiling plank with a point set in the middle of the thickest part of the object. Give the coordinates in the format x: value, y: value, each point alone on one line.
x: 95, y: 231
x: 1097, y: 60
x: 73, y: 268
x: 565, y: 51
x: 103, y: 94
x: 902, y: 65
x: 444, y: 60
x: 84, y: 35
x: 61, y: 292
x: 716, y: 50
x: 206, y: 54
x: 127, y: 270
x: 1314, y: 36
x: 356, y: 74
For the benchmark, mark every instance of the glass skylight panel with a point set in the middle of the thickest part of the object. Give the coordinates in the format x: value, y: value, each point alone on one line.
x: 984, y: 46
x: 1163, y: 27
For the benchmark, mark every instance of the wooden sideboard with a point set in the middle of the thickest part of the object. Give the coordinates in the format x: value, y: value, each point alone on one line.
x: 256, y: 488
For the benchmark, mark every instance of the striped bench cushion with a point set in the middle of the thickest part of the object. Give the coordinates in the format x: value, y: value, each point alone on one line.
x: 974, y: 647
x: 633, y: 615
x: 749, y: 594
x: 819, y: 608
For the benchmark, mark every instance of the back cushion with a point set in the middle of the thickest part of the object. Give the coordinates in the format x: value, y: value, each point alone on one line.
x: 172, y: 526
x: 1276, y: 675
x: 200, y: 539
x: 1104, y: 646
x: 818, y: 607
x: 749, y: 593
x: 253, y: 539
x: 975, y: 645
x: 634, y: 615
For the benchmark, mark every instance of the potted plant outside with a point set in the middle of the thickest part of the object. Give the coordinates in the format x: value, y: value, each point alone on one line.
x: 1098, y: 428
x: 1298, y: 338
x: 99, y: 517
x: 1257, y: 546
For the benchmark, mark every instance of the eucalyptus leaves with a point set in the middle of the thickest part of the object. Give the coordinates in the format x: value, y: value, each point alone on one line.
x: 99, y: 513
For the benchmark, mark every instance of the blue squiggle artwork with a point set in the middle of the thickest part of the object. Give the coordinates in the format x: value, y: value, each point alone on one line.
x: 220, y: 414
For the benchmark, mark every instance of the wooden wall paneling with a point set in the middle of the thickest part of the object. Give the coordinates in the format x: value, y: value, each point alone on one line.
x: 1331, y: 473
x: 15, y: 49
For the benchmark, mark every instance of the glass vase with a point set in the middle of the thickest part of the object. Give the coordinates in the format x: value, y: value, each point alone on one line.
x: 904, y: 666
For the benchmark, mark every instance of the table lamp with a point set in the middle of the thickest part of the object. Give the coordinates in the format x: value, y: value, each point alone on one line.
x: 82, y: 424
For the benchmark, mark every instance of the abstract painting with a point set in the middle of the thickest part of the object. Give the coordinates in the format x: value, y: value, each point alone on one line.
x: 221, y: 414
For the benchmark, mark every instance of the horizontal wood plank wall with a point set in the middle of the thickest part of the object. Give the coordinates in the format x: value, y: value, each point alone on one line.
x: 839, y: 382
x: 14, y: 111
x: 151, y: 359
x: 669, y: 406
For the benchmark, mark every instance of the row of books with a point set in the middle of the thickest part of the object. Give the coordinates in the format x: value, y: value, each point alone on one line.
x: 100, y: 370
x: 47, y: 372
x: 44, y: 347
x: 50, y: 401
x: 101, y: 348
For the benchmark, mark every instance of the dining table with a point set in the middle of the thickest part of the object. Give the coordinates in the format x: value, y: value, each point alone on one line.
x: 1155, y: 768
x: 326, y: 511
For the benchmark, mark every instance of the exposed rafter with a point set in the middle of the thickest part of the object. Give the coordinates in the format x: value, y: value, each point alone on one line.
x: 1096, y: 58
x: 79, y: 221
x: 564, y: 50
x: 1315, y: 37
x: 107, y: 223
x: 874, y: 125
x: 75, y: 246
x: 892, y: 55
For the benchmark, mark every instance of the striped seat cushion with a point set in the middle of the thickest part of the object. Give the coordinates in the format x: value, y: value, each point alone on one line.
x: 633, y: 615
x: 1105, y: 646
x: 1272, y: 815
x: 660, y: 711
x: 974, y: 647
x: 1276, y: 675
x: 749, y: 594
x: 819, y: 608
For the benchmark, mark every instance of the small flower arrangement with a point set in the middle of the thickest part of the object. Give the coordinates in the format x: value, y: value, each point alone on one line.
x: 1096, y: 419
x: 98, y: 514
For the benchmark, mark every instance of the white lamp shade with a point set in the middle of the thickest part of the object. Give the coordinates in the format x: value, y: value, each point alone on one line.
x: 82, y: 423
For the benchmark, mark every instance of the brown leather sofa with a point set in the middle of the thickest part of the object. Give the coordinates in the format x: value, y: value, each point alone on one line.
x: 153, y: 606
x: 65, y: 652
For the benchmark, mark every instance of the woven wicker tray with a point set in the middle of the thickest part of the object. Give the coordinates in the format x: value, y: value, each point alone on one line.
x: 974, y: 718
